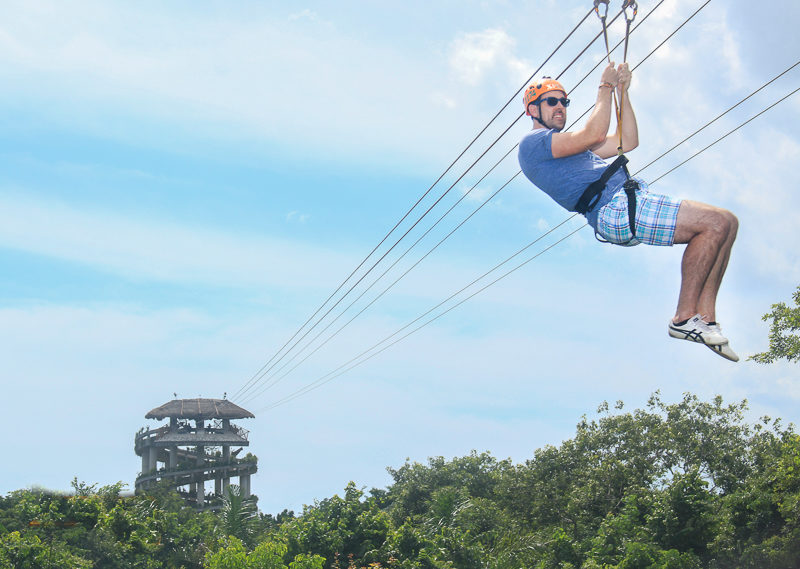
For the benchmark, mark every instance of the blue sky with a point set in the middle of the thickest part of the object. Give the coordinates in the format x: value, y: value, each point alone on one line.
x: 184, y: 184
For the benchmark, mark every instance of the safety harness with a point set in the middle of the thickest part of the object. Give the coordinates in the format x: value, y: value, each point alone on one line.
x: 591, y: 194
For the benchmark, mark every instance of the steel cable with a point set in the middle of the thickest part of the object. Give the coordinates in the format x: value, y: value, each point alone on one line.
x: 339, y: 371
x: 331, y: 375
x: 385, y: 272
x: 726, y: 135
x: 719, y: 116
x: 264, y: 387
x: 265, y: 372
x: 352, y: 363
x: 271, y: 362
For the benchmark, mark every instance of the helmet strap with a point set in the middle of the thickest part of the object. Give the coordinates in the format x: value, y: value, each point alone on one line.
x: 539, y: 120
x: 544, y: 124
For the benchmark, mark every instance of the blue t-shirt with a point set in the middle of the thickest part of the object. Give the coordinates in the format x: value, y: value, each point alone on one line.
x: 565, y: 179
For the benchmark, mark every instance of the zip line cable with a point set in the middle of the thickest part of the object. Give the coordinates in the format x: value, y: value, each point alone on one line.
x: 339, y: 371
x: 381, y: 294
x: 360, y: 296
x: 511, y: 99
x: 264, y: 372
x: 385, y: 290
x: 342, y: 372
x: 726, y: 134
x: 327, y: 377
x: 620, y: 42
x: 717, y: 118
x: 439, y: 199
x: 418, y: 240
x: 426, y: 213
x: 665, y: 40
x: 266, y: 367
x: 642, y: 61
x: 308, y: 388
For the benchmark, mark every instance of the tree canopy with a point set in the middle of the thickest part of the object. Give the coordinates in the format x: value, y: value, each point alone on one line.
x: 689, y: 484
x: 784, y: 342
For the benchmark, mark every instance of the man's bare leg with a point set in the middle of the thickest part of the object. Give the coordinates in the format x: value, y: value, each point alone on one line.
x: 707, y: 302
x: 709, y: 233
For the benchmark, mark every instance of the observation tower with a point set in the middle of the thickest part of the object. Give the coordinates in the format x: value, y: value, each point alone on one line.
x: 195, y: 448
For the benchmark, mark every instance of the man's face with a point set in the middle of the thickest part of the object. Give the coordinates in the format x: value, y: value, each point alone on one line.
x: 555, y: 117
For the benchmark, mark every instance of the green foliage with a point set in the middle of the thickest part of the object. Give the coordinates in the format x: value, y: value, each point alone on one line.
x: 687, y: 485
x: 784, y: 342
x: 302, y: 561
x: 267, y: 555
x: 340, y: 527
x: 239, y: 515
x: 414, y: 483
x: 30, y: 552
x: 682, y: 516
x: 682, y: 485
x: 96, y: 527
x: 232, y: 556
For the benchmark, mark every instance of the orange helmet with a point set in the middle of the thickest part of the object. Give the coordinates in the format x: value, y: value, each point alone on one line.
x: 538, y: 89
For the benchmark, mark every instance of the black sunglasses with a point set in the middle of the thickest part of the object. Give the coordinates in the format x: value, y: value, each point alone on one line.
x: 553, y: 101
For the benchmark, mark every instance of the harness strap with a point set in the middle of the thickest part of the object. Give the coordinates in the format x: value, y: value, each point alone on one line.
x: 592, y: 192
x: 591, y: 195
x: 630, y: 188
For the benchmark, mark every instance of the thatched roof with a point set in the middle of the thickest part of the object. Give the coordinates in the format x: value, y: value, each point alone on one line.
x: 199, y: 409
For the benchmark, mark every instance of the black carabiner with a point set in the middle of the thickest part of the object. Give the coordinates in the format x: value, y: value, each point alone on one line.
x: 603, y: 21
x: 597, y: 8
x: 633, y: 6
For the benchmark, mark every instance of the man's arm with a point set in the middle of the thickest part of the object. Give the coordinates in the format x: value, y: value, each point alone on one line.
x: 595, y: 132
x: 630, y: 131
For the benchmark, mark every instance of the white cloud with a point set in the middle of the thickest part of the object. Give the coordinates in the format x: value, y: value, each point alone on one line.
x: 475, y: 194
x: 296, y: 217
x: 759, y: 196
x: 444, y: 100
x: 718, y: 34
x: 160, y: 250
x: 789, y: 384
x: 542, y: 224
x: 300, y: 81
x: 305, y: 14
x: 474, y: 54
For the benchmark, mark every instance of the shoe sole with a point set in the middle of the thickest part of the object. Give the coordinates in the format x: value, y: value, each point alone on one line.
x: 724, y: 350
x: 693, y: 336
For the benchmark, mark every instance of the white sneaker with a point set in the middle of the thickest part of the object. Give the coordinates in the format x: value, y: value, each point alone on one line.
x: 697, y: 330
x: 723, y: 350
x: 716, y: 328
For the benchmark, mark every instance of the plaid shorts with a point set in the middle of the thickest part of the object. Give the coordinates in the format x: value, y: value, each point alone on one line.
x: 656, y: 217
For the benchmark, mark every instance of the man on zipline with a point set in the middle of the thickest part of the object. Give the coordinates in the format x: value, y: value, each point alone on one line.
x: 565, y: 164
